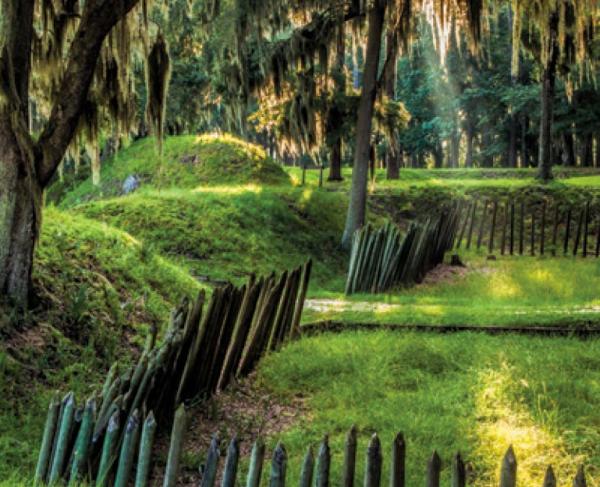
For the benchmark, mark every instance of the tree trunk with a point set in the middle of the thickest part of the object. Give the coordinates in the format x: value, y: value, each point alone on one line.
x: 394, y: 162
x: 27, y: 165
x: 487, y: 139
x: 438, y: 156
x: 547, y: 102
x: 524, y: 147
x: 469, y: 154
x: 335, y: 150
x: 414, y: 161
x: 587, y: 150
x: 335, y: 165
x: 568, y: 150
x: 597, y: 150
x: 358, y: 193
x: 20, y: 200
x: 512, y: 143
x: 389, y: 82
x: 454, y: 148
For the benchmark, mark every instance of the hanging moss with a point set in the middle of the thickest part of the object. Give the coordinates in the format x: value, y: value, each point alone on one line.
x: 158, y: 72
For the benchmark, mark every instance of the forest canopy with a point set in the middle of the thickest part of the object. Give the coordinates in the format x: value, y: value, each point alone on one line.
x: 389, y: 82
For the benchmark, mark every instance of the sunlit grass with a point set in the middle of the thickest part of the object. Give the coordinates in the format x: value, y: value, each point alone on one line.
x: 468, y: 392
x: 508, y: 291
x: 229, y: 189
x: 453, y: 179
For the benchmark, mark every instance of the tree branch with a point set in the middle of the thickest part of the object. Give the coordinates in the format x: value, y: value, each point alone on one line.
x: 98, y: 18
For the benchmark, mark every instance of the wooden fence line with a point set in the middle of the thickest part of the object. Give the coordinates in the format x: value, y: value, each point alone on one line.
x: 524, y: 226
x: 382, y: 259
x: 313, y: 471
x: 204, y: 349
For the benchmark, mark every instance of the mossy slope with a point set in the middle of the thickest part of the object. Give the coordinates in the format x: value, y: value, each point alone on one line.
x: 229, y: 232
x: 99, y: 290
x: 188, y: 161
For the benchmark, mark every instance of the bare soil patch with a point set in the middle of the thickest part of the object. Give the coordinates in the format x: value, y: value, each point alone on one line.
x: 246, y: 410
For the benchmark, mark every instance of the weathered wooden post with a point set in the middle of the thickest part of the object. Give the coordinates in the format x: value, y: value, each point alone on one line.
x: 493, y: 227
x: 308, y: 466
x: 471, y: 224
x: 434, y: 467
x: 504, y: 225
x: 82, y: 444
x: 532, y: 251
x: 482, y: 225
x: 62, y: 438
x: 522, y: 228
x: 109, y: 451
x: 373, y: 464
x: 177, y: 433
x: 50, y: 428
x: 128, y: 448
x: 508, y: 470
x: 464, y: 225
x: 549, y: 478
x: 398, y: 470
x: 543, y: 229
x: 580, y: 480
x: 349, y: 458
x: 578, y: 234
x: 256, y: 463
x: 512, y: 228
x: 209, y: 472
x: 323, y: 464
x: 555, y: 228
x: 598, y: 238
x: 145, y: 458
x: 586, y: 223
x: 231, y: 464
x: 459, y: 472
x: 567, y: 232
x: 278, y: 467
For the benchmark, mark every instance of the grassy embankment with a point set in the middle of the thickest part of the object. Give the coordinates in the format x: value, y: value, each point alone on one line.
x: 203, y: 226
x: 217, y: 208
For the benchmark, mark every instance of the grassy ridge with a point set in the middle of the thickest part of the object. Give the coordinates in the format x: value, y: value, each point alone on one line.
x: 473, y: 393
x: 229, y: 231
x: 187, y: 161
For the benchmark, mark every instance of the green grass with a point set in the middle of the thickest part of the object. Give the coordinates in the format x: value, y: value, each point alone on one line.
x: 514, y: 290
x: 110, y: 267
x: 227, y: 232
x: 456, y: 178
x: 99, y: 291
x: 188, y: 161
x: 468, y: 392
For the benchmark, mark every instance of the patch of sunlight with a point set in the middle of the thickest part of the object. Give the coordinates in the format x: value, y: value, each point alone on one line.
x: 295, y: 180
x: 339, y: 305
x: 431, y: 309
x: 503, y: 421
x: 551, y: 281
x: 230, y: 189
x: 502, y: 286
x: 307, y: 194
